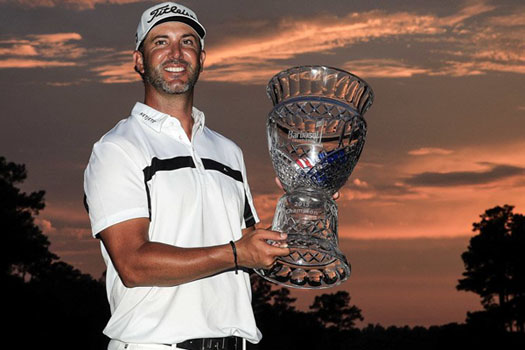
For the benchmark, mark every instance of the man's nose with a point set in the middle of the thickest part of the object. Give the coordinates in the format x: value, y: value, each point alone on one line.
x: 175, y: 51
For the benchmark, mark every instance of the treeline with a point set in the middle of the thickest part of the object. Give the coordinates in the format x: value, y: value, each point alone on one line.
x: 60, y: 309
x: 330, y: 324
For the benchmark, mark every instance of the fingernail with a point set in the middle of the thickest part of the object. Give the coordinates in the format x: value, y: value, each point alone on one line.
x: 283, y: 235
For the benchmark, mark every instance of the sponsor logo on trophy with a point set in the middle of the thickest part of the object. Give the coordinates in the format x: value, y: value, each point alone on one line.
x: 316, y: 132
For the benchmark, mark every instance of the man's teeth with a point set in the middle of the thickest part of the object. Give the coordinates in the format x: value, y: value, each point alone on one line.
x: 174, y: 69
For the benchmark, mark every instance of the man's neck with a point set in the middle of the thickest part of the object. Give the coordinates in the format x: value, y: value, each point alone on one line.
x: 177, y: 106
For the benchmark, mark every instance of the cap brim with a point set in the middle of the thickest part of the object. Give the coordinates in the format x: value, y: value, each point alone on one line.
x: 196, y: 26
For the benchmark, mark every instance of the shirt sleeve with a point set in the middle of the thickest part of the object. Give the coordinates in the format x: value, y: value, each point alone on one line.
x: 250, y: 215
x: 114, y: 187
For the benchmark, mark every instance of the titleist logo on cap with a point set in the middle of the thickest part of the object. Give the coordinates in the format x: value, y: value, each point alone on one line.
x: 167, y: 9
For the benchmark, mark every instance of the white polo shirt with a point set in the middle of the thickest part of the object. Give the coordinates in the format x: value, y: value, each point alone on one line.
x: 196, y: 195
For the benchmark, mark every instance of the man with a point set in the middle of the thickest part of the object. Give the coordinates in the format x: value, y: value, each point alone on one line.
x: 170, y: 202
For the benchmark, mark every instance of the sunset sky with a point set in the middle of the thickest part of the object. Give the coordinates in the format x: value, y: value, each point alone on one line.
x: 445, y: 134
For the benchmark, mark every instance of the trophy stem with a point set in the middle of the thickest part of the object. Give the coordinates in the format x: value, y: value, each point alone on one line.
x: 309, y: 218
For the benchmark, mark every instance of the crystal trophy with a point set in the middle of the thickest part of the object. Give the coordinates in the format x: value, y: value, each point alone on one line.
x: 316, y: 132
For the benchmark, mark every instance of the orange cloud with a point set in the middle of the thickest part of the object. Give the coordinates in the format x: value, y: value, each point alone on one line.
x: 423, y: 151
x: 115, y: 67
x: 65, y: 213
x: 256, y: 59
x: 53, y: 50
x: 511, y: 20
x: 469, y: 11
x: 439, y: 192
x: 56, y: 37
x: 319, y: 34
x: 28, y: 63
x: 241, y: 74
x: 468, y: 158
x: 45, y: 226
x: 383, y: 68
x: 19, y: 50
x: 117, y: 73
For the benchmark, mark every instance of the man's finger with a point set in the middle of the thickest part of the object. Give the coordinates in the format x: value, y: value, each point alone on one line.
x: 278, y: 182
x: 278, y: 244
x: 273, y: 235
x: 269, y: 234
x: 280, y: 251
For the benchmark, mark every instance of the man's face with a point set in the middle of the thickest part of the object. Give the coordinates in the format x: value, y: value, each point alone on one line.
x: 172, y: 58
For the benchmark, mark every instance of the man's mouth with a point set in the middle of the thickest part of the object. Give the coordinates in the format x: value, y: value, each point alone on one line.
x: 174, y: 69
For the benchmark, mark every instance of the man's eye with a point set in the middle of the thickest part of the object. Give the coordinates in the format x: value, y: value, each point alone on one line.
x: 189, y: 41
x: 160, y: 42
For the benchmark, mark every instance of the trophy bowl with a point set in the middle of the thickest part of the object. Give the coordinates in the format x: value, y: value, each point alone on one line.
x: 316, y: 132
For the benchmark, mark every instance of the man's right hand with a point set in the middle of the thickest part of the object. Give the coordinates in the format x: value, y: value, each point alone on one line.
x: 255, y: 251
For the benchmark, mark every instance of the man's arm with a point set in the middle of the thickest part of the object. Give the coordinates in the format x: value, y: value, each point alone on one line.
x: 141, y: 262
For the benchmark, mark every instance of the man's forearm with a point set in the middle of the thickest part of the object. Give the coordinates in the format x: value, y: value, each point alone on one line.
x: 158, y: 264
x: 141, y: 262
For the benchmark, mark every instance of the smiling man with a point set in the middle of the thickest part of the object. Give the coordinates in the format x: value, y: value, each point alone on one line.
x: 170, y: 201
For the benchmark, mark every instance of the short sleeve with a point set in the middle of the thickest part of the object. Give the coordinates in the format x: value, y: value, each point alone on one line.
x: 114, y: 187
x: 250, y: 217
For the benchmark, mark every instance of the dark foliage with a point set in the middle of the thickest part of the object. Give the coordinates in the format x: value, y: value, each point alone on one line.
x: 334, y: 311
x: 47, y: 303
x: 324, y: 327
x: 495, y: 269
x: 24, y: 247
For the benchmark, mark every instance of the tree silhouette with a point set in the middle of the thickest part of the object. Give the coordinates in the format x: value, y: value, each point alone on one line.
x: 265, y: 296
x: 25, y: 249
x: 334, y: 310
x: 495, y: 266
x: 329, y: 324
x: 46, y: 302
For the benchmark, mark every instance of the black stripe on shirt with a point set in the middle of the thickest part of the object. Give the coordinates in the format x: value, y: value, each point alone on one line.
x: 86, y: 203
x: 167, y: 165
x: 187, y: 162
x: 164, y: 165
x: 249, y: 220
x: 210, y: 164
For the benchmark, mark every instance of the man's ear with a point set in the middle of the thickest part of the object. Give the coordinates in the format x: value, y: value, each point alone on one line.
x: 202, y: 59
x: 138, y: 59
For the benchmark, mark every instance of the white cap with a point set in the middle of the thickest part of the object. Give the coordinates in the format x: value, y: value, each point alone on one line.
x: 164, y: 12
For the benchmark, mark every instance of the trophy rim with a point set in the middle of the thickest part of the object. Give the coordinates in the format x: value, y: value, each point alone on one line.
x: 320, y: 66
x: 287, y: 71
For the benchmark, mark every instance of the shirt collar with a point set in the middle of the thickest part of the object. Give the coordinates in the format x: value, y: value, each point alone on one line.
x: 155, y: 119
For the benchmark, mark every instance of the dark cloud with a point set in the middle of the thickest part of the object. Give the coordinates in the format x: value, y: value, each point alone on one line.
x: 462, y: 178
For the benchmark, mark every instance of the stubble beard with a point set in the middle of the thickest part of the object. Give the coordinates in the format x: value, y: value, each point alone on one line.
x: 154, y: 78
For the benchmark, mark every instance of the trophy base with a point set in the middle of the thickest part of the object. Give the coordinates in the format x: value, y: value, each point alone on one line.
x: 315, y: 261
x: 301, y: 269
